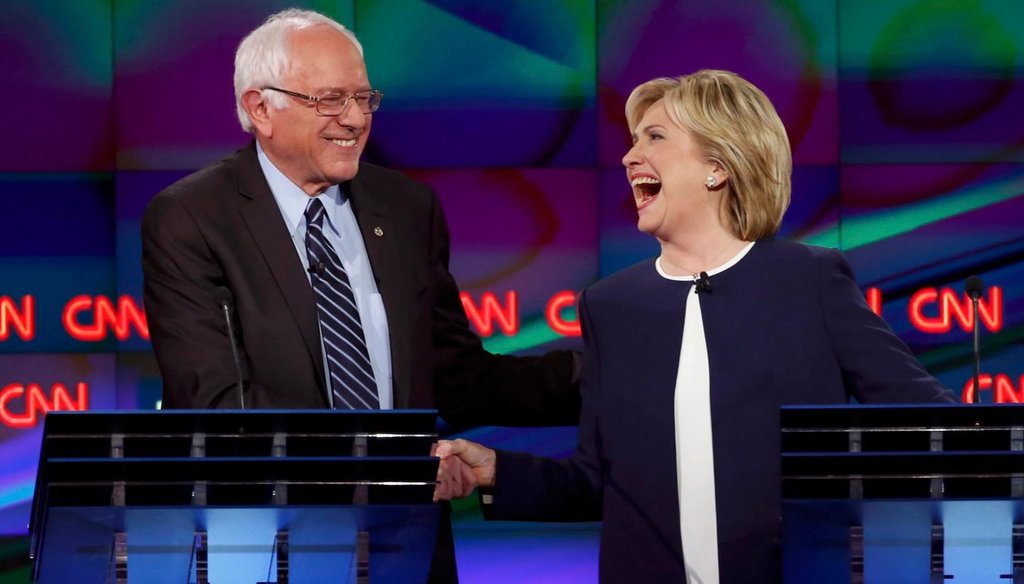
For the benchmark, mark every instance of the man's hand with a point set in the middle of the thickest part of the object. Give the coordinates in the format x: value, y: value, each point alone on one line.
x: 464, y: 466
x: 450, y: 473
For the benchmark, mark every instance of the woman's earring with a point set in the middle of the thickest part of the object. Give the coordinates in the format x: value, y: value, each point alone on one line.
x: 711, y: 181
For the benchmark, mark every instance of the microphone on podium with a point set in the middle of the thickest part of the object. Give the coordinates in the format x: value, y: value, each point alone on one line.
x: 225, y: 300
x: 974, y: 287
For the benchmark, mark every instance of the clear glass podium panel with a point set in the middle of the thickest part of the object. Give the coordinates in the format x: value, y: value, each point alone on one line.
x: 321, y: 543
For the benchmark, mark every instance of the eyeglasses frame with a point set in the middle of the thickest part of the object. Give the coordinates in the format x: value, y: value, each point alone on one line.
x: 315, y: 100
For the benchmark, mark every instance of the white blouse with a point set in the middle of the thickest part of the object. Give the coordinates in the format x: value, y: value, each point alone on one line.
x: 695, y: 463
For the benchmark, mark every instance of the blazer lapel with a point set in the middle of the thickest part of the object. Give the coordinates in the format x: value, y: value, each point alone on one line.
x: 263, y: 219
x: 384, y: 251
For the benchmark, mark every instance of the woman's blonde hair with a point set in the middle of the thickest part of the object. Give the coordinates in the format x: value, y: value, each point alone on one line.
x: 735, y: 125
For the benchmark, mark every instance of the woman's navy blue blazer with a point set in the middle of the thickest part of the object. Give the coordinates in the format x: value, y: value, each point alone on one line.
x: 786, y: 324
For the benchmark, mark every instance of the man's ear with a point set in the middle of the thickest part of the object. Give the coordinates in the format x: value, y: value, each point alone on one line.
x: 259, y: 112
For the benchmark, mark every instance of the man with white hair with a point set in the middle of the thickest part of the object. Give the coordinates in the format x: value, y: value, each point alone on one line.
x: 337, y: 270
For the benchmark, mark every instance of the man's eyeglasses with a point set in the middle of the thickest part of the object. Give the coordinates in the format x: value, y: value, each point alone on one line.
x: 332, y: 104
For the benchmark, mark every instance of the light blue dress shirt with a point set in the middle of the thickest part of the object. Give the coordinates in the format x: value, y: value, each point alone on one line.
x: 342, y: 233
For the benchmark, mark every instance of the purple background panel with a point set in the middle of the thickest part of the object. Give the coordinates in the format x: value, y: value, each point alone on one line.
x: 56, y: 109
x: 786, y: 49
x: 174, y: 95
x: 491, y: 84
x: 931, y: 81
x: 907, y: 226
x: 531, y: 230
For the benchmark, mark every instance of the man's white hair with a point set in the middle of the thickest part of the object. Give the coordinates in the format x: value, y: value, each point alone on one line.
x: 262, y: 56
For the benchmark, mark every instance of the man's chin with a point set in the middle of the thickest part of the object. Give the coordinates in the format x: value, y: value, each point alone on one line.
x: 344, y: 172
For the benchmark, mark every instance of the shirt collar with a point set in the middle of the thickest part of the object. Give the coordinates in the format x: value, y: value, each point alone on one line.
x: 735, y: 259
x: 293, y: 201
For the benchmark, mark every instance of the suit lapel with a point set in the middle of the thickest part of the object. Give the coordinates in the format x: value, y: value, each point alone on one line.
x: 263, y: 219
x: 381, y: 239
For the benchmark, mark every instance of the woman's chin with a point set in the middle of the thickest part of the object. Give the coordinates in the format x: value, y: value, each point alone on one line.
x: 645, y: 225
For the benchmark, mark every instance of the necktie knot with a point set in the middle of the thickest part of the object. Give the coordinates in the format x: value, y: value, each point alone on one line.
x: 315, y: 212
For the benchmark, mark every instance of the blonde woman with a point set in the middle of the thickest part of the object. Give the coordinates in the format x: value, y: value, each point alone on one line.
x: 689, y: 355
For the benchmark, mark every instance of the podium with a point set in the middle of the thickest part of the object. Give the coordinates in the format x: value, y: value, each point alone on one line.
x: 256, y: 496
x: 903, y: 493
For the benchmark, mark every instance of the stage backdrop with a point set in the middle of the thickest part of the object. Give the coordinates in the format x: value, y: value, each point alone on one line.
x: 905, y: 118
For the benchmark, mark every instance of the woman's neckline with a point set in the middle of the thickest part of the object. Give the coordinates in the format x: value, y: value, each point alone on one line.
x: 691, y: 277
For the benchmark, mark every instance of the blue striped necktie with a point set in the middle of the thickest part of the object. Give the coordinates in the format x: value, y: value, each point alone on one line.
x: 352, y: 382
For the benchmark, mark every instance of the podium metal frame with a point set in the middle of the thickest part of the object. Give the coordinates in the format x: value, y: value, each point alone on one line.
x: 903, y: 493
x: 201, y: 496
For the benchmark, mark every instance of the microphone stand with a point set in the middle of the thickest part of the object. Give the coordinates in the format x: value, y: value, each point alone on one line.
x: 974, y: 287
x: 976, y: 396
x: 225, y: 300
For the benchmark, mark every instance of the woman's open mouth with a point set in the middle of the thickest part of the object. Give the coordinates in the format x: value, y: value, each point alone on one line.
x: 645, y: 190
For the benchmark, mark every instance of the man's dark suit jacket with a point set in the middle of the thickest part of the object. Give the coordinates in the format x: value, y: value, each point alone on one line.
x: 221, y: 228
x: 784, y: 325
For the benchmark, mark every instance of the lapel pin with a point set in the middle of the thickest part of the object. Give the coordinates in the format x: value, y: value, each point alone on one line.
x: 378, y: 231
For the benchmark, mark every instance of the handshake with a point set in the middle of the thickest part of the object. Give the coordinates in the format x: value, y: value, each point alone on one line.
x: 464, y: 466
